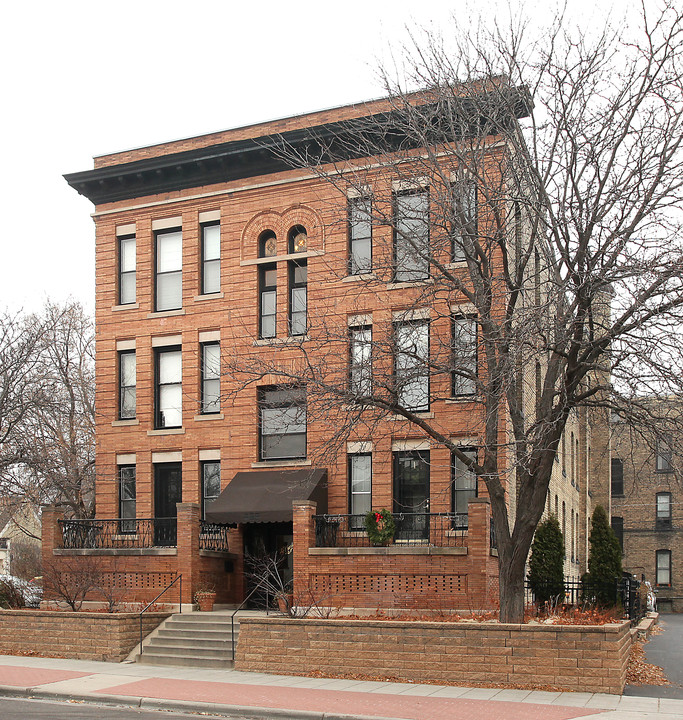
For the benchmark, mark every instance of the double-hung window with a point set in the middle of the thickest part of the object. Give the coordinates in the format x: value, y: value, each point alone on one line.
x: 127, y: 403
x: 126, y: 269
x: 127, y: 498
x: 267, y: 301
x: 360, y: 489
x: 282, y: 423
x: 464, y: 195
x: 663, y: 519
x: 211, y: 378
x: 663, y: 567
x: 617, y: 476
x: 360, y: 235
x: 298, y: 292
x: 169, y: 389
x: 663, y: 459
x: 211, y: 483
x: 360, y: 367
x: 464, y: 488
x: 411, y: 235
x: 169, y: 270
x: 411, y: 365
x: 464, y: 371
x: 211, y: 258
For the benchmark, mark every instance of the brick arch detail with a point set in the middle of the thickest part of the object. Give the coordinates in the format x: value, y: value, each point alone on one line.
x: 280, y: 224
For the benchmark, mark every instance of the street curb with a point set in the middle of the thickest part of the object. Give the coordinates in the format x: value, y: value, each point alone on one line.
x: 242, y: 712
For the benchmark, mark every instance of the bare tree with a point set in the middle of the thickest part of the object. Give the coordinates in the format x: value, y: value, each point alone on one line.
x: 48, y: 444
x: 555, y: 176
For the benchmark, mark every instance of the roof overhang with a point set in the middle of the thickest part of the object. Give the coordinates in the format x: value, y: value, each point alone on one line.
x: 267, y: 495
x: 251, y: 157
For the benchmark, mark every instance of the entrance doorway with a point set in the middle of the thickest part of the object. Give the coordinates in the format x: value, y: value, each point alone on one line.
x: 411, y: 494
x: 267, y: 552
x: 168, y: 490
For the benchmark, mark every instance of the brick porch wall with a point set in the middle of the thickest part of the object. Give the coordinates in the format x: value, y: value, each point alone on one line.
x: 142, y: 573
x: 462, y: 578
x: 580, y: 658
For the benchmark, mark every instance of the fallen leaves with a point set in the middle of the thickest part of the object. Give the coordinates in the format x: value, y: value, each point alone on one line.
x: 641, y: 672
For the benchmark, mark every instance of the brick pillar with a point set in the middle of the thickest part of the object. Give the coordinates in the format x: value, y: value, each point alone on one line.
x: 51, y: 532
x: 188, y: 548
x: 478, y: 551
x: 236, y: 544
x: 304, y: 538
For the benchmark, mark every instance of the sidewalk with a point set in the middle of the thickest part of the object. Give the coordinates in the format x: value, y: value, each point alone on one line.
x: 256, y: 695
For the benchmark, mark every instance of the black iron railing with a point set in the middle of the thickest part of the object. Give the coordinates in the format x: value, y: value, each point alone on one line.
x: 213, y: 536
x: 178, y: 579
x: 119, y: 533
x: 623, y: 592
x: 412, y: 529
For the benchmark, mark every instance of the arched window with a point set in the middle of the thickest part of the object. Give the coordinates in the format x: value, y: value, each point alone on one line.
x: 297, y: 239
x: 267, y: 244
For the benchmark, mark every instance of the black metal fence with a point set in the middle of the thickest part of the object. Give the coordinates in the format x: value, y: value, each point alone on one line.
x: 412, y: 529
x: 213, y: 536
x: 623, y: 592
x: 119, y: 533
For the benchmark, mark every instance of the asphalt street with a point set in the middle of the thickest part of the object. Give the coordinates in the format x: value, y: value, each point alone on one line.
x: 666, y: 650
x: 20, y: 709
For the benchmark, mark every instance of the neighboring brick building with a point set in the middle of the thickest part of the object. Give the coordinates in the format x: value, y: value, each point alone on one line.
x: 213, y: 248
x: 647, y: 512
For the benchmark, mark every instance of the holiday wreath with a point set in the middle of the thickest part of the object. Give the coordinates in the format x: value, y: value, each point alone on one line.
x: 380, y: 527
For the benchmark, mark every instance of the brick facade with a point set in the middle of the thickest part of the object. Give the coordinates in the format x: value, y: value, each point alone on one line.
x: 586, y: 658
x: 140, y: 204
x: 634, y: 508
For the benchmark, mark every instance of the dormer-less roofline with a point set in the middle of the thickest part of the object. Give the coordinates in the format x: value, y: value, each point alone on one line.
x: 251, y: 157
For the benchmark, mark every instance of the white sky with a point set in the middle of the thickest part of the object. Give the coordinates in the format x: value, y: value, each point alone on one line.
x: 82, y: 78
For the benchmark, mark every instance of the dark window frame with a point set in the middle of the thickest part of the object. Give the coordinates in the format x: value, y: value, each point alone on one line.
x: 354, y: 268
x: 263, y: 238
x: 471, y: 183
x: 397, y: 326
x: 356, y: 369
x: 209, y: 262
x: 617, y: 481
x: 355, y: 524
x: 127, y: 517
x: 460, y: 379
x: 663, y: 457
x: 121, y: 239
x: 204, y: 464
x: 464, y: 492
x: 398, y: 236
x: 158, y: 352
x: 292, y: 233
x: 157, y: 274
x: 663, y: 521
x: 667, y: 554
x: 264, y: 289
x: 209, y: 407
x: 296, y: 402
x: 124, y: 390
x: 294, y: 285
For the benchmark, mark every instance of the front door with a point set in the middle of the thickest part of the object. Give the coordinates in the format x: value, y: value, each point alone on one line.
x: 411, y: 494
x: 168, y: 490
x: 268, y: 560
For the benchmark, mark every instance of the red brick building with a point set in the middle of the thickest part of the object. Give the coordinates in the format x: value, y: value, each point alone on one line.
x: 213, y: 251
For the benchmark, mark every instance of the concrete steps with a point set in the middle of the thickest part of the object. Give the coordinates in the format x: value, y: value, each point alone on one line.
x: 193, y: 639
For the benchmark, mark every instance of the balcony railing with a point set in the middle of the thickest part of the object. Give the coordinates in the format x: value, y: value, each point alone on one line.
x: 119, y: 533
x: 213, y: 536
x: 412, y: 529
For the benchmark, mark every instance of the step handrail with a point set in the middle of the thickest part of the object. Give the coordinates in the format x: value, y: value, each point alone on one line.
x: 178, y: 579
x: 241, y: 607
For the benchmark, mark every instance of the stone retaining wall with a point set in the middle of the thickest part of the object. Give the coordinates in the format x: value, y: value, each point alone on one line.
x: 82, y: 635
x: 571, y: 657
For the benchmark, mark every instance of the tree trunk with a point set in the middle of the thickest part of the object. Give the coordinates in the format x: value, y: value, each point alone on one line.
x: 511, y: 587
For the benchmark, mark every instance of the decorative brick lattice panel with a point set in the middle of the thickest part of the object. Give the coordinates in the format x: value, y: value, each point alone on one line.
x: 344, y: 584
